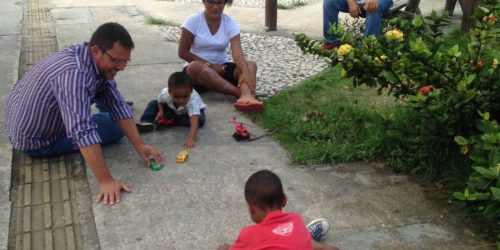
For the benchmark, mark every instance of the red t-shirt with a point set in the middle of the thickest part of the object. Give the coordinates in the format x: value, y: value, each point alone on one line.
x: 277, y: 231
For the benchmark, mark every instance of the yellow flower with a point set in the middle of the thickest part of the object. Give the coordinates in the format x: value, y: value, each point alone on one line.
x: 394, y: 35
x: 344, y: 49
x: 380, y: 59
x: 464, y: 149
x: 495, y: 63
x: 343, y: 73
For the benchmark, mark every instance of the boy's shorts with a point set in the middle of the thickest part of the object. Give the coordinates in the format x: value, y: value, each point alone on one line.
x: 228, y: 76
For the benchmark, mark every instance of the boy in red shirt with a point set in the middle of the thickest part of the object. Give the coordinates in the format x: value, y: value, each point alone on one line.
x: 275, y: 229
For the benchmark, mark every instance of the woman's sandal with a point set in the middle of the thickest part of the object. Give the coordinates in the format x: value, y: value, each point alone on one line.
x: 250, y: 107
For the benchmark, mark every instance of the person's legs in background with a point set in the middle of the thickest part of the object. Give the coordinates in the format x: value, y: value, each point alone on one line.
x: 374, y: 20
x: 331, y: 9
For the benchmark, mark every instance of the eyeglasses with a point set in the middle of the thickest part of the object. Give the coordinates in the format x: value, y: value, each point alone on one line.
x: 212, y: 2
x: 115, y: 60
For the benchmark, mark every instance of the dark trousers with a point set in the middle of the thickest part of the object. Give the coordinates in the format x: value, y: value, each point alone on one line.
x: 152, y: 109
x: 107, y: 129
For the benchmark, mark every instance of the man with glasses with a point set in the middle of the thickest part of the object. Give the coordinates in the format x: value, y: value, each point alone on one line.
x: 48, y: 112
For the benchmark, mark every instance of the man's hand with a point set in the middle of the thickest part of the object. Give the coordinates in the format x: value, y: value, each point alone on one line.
x: 224, y: 247
x: 371, y: 6
x: 109, y: 192
x: 146, y: 152
x: 354, y: 10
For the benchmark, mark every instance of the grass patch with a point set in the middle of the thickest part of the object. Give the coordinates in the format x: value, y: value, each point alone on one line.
x: 157, y: 21
x: 326, y: 120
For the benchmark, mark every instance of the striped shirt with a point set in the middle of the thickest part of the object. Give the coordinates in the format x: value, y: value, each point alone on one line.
x: 54, y: 100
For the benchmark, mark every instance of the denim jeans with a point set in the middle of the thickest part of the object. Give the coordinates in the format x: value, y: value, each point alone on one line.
x: 152, y: 109
x: 107, y: 129
x: 373, y: 22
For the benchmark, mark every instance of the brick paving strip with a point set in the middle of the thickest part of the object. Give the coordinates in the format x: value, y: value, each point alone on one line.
x: 51, y: 200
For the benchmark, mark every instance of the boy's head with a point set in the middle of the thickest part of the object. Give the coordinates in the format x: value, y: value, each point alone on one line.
x: 264, y: 193
x: 180, y: 88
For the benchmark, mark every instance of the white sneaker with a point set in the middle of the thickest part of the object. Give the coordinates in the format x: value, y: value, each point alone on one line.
x: 318, y: 228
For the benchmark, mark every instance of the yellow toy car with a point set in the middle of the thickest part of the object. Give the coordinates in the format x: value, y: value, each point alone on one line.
x: 182, y: 156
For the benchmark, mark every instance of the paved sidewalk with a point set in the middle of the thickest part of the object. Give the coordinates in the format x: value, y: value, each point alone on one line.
x: 200, y: 204
x: 10, y: 42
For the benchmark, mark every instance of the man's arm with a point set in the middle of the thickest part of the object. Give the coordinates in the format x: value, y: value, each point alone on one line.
x: 109, y: 189
x: 129, y: 128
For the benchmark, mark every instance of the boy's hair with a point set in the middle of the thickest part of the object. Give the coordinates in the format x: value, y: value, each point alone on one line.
x: 107, y: 34
x: 264, y: 190
x: 179, y: 80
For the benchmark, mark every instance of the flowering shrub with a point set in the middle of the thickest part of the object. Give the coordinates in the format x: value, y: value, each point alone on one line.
x: 483, y: 186
x: 444, y: 83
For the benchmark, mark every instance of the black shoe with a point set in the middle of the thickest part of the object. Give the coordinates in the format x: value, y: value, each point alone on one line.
x: 145, y: 127
x: 130, y: 103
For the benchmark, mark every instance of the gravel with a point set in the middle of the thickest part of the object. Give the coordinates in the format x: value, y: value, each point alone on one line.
x: 259, y: 3
x: 280, y: 62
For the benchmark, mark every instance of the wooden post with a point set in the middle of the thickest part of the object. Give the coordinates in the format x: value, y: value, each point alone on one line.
x: 468, y: 7
x: 413, y: 6
x: 271, y: 14
x: 450, y: 6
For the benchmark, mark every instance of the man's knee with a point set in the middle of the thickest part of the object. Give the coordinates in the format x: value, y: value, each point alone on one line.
x: 108, y: 130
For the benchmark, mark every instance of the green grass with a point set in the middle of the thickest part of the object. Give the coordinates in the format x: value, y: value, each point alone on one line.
x: 326, y: 120
x: 157, y: 21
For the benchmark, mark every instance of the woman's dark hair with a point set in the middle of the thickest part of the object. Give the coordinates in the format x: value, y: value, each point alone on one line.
x: 179, y: 80
x: 107, y: 34
x: 264, y: 190
x: 226, y: 2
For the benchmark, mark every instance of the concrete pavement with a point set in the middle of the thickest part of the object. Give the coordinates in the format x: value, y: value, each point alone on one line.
x: 200, y: 204
x: 10, y: 42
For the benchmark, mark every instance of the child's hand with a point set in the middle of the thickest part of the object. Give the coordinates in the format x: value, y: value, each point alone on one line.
x: 190, y: 143
x: 159, y: 115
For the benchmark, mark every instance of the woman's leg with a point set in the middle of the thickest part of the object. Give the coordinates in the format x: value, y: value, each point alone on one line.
x: 247, y: 101
x: 205, y: 76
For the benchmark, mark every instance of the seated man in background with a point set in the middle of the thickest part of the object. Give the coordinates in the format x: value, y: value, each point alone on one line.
x: 373, y: 10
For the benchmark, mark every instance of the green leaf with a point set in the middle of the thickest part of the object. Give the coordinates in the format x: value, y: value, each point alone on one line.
x: 418, y: 22
x: 496, y: 193
x: 478, y: 196
x: 484, y: 172
x: 492, y: 210
x: 454, y: 52
x: 459, y: 196
x: 461, y: 141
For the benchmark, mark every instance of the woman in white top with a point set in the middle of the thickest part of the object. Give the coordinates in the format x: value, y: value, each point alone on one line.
x: 203, y: 45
